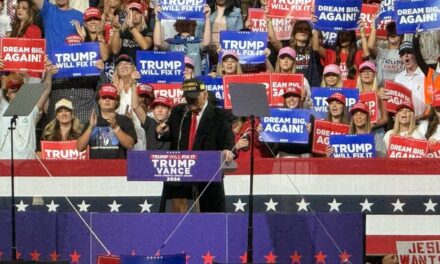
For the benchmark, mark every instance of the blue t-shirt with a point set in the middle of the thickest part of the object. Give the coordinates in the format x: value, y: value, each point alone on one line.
x: 58, y: 24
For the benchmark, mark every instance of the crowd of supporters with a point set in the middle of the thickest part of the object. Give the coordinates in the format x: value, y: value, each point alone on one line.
x: 114, y: 112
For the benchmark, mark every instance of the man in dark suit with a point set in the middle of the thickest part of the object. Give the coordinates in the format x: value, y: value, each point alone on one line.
x: 198, y: 125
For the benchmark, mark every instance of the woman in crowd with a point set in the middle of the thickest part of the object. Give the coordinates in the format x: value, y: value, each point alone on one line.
x: 23, y: 27
x: 92, y: 31
x: 404, y: 124
x: 347, y: 56
x: 134, y: 34
x: 430, y: 128
x: 113, y: 16
x: 185, y: 40
x: 65, y: 126
x: 331, y: 76
x: 292, y: 100
x: 387, y: 59
x: 306, y: 51
x: 367, y: 82
x: 360, y: 123
x: 337, y: 112
x: 228, y: 66
x: 286, y: 63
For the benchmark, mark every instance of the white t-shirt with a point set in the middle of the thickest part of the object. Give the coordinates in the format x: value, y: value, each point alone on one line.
x: 24, y: 134
x: 5, y: 25
x: 415, y: 134
x: 423, y: 127
x: 415, y: 82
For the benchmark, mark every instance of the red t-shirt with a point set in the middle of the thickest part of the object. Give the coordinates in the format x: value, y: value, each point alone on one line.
x: 330, y: 58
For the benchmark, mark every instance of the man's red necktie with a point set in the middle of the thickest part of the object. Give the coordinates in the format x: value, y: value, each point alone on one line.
x: 192, y: 131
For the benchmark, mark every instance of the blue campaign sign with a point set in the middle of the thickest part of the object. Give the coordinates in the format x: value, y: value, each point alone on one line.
x: 353, y: 146
x: 286, y: 126
x: 386, y: 11
x: 178, y: 166
x: 249, y: 45
x: 76, y: 60
x: 164, y: 259
x: 214, y: 85
x: 182, y: 9
x: 334, y: 15
x: 413, y: 14
x: 320, y: 94
x: 160, y: 66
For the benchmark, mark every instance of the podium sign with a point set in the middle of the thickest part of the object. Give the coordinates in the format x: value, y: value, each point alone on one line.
x: 174, y: 166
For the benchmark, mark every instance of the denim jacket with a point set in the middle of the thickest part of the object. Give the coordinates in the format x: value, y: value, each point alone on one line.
x: 234, y: 20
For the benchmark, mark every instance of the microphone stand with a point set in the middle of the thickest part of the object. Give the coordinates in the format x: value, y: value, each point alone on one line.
x: 13, y: 234
x: 250, y: 234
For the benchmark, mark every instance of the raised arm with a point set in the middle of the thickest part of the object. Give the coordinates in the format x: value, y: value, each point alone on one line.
x: 138, y: 110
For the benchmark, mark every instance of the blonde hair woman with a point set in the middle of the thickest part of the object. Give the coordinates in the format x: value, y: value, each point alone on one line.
x: 65, y: 126
x: 404, y: 124
x: 331, y: 76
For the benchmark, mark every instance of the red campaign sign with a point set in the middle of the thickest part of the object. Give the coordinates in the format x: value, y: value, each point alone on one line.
x: 370, y: 98
x: 381, y: 31
x: 398, y: 94
x: 434, y: 150
x: 258, y: 23
x: 23, y: 54
x: 368, y: 12
x: 262, y: 78
x: 170, y: 90
x: 280, y: 82
x: 321, y: 134
x: 405, y: 147
x: 108, y: 260
x: 297, y: 9
x: 62, y: 150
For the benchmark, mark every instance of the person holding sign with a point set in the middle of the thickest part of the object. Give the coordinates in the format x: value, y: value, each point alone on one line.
x: 404, y: 124
x: 347, y: 55
x: 23, y: 27
x: 367, y: 82
x: 228, y: 66
x: 306, y: 51
x: 198, y: 125
x: 24, y: 135
x: 65, y: 126
x: 360, y: 123
x: 331, y: 76
x: 387, y: 59
x: 109, y: 134
x: 134, y: 34
x: 185, y: 40
x: 286, y: 63
x: 337, y: 112
x: 292, y: 100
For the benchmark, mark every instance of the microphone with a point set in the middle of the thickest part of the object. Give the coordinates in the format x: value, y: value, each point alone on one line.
x: 186, y: 110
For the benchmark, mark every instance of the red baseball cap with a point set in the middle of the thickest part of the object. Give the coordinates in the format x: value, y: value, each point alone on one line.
x: 145, y: 89
x: 292, y: 91
x: 14, y: 82
x: 137, y: 6
x: 108, y: 90
x: 165, y: 101
x: 436, y: 100
x: 360, y: 106
x: 92, y: 12
x: 405, y: 104
x: 336, y: 97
